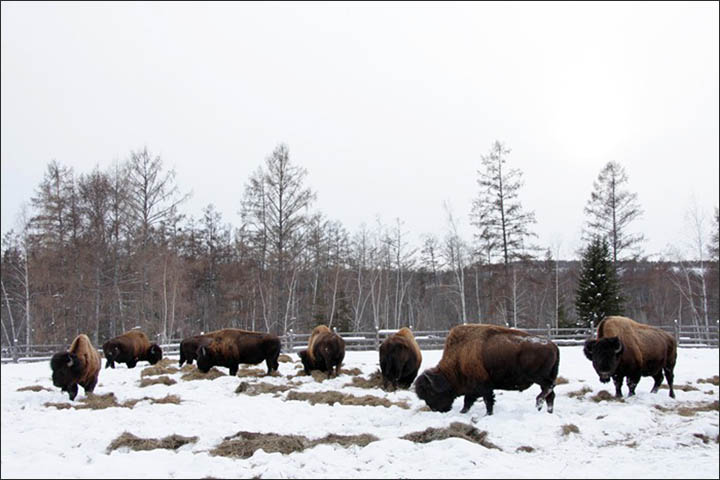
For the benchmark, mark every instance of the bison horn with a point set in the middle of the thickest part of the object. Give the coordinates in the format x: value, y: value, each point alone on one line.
x: 619, y: 348
x: 70, y: 362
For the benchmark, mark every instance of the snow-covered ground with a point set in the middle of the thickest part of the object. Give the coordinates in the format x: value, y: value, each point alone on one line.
x: 630, y: 439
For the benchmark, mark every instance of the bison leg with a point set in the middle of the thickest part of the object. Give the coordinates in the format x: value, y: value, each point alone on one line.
x: 72, y: 390
x: 632, y: 382
x: 110, y: 364
x: 658, y: 377
x: 182, y: 358
x: 618, y: 379
x: 669, y: 377
x: 233, y: 369
x: 489, y: 398
x: 90, y: 386
x: 469, y: 400
x: 550, y: 400
x: 131, y: 363
x: 545, y: 391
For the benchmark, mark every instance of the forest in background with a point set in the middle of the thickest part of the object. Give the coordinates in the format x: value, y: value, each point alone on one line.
x: 101, y: 252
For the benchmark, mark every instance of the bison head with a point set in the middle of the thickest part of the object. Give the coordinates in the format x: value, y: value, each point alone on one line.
x: 434, y: 388
x: 605, y: 355
x: 305, y: 358
x: 66, y: 369
x: 205, y: 360
x: 154, y: 354
x: 111, y: 354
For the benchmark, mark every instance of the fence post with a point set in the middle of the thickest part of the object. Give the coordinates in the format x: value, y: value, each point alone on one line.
x: 549, y: 331
x: 290, y: 341
x: 676, y: 329
x: 592, y: 328
x: 377, y: 337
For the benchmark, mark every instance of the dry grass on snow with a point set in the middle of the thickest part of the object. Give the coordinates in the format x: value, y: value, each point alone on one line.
x: 333, y: 397
x: 171, y: 442
x: 100, y: 402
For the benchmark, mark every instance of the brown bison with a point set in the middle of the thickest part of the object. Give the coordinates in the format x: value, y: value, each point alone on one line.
x: 478, y: 359
x: 190, y: 345
x: 400, y: 359
x: 326, y: 349
x: 78, y: 366
x: 129, y: 348
x: 625, y: 348
x: 230, y: 347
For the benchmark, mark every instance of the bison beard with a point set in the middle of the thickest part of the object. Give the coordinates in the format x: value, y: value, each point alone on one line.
x: 478, y: 359
x: 625, y: 348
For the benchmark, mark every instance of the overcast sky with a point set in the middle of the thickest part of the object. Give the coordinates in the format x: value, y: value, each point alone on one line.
x: 388, y: 106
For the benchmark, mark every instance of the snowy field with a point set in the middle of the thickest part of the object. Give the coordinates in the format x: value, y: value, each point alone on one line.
x: 646, y: 436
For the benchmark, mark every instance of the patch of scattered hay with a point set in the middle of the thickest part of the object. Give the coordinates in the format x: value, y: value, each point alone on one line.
x: 682, y: 388
x: 245, y: 444
x: 375, y: 380
x: 606, y: 396
x: 284, y: 358
x: 561, y: 381
x: 455, y: 430
x: 100, y: 402
x: 319, y: 376
x: 690, y: 410
x: 351, y: 371
x: 165, y: 362
x: 259, y: 388
x: 569, y: 428
x: 250, y: 372
x: 167, y: 399
x: 171, y: 442
x: 196, y: 374
x: 424, y: 409
x: 158, y: 369
x: 715, y: 380
x: 525, y: 449
x: 188, y: 368
x: 332, y: 397
x: 33, y: 388
x: 165, y: 380
x: 580, y: 393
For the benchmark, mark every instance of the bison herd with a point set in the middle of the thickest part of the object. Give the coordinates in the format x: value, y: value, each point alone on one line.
x: 477, y: 359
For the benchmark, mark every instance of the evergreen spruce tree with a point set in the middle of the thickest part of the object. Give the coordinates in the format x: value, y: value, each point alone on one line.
x: 598, y: 293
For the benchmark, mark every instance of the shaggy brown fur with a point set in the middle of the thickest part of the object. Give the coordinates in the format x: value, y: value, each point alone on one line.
x: 626, y: 348
x: 232, y: 346
x: 400, y: 359
x: 325, y: 352
x: 78, y: 366
x: 129, y: 348
x: 480, y: 358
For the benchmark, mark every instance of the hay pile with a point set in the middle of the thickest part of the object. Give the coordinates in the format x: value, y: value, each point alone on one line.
x: 569, y: 428
x: 332, y: 397
x: 100, y: 402
x: 580, y: 393
x: 165, y: 380
x: 245, y: 444
x: 259, y: 388
x: 691, y: 410
x: 196, y: 374
x: 160, y: 368
x: 455, y: 430
x: 606, y: 396
x: 33, y: 388
x: 284, y: 358
x: 171, y: 442
x: 375, y: 380
x: 714, y: 380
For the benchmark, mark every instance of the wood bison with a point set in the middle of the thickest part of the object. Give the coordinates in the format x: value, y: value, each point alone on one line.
x: 230, y: 347
x: 129, y: 348
x: 400, y: 359
x: 478, y: 359
x: 625, y: 348
x: 78, y: 366
x: 326, y: 349
x: 190, y: 345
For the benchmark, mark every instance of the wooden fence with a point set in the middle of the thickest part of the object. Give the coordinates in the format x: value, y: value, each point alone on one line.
x: 687, y: 336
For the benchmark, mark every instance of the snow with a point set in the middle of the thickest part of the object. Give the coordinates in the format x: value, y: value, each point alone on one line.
x: 632, y: 439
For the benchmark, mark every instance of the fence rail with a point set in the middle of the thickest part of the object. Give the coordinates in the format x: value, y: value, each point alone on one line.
x: 688, y: 336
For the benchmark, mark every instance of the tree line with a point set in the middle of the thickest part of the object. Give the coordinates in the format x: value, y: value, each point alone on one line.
x: 104, y: 251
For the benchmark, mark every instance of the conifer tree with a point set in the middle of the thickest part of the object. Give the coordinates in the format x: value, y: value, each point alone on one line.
x: 598, y: 292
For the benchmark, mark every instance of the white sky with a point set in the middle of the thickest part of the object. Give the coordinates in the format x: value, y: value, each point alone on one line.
x: 388, y: 106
